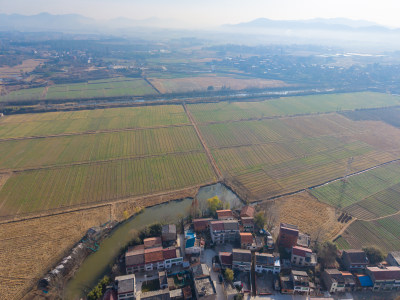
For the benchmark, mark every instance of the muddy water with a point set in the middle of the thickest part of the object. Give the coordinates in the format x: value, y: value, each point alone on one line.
x: 99, y: 262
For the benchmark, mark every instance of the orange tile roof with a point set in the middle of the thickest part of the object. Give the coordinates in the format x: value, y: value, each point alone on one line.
x: 246, y: 238
x: 153, y: 255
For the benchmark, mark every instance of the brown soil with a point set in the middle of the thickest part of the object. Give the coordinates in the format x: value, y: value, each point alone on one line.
x: 313, y: 217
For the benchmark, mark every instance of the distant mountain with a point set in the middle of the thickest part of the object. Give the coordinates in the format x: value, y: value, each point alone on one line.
x: 76, y: 23
x: 312, y: 24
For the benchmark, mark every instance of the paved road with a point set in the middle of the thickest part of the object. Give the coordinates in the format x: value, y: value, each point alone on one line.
x: 206, y: 258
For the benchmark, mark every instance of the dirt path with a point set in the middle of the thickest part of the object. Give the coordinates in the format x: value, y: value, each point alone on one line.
x: 380, y: 218
x: 344, y: 228
x: 44, y: 94
x: 206, y: 149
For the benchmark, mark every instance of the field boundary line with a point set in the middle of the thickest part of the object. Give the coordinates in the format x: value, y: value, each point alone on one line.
x: 91, y: 132
x: 380, y: 218
x: 206, y: 149
x: 152, y: 85
x: 344, y: 228
x: 95, y: 162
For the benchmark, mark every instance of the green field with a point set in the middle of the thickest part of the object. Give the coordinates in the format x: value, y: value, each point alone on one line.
x: 374, y: 191
x: 383, y: 233
x: 90, y: 120
x: 388, y: 115
x: 39, y: 190
x: 225, y: 111
x: 114, y: 87
x: 94, y: 147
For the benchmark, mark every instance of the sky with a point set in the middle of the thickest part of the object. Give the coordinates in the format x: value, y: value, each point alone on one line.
x: 209, y: 13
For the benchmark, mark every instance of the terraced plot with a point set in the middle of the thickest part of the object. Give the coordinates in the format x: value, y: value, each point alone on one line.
x: 38, y: 190
x: 54, y: 123
x: 225, y: 111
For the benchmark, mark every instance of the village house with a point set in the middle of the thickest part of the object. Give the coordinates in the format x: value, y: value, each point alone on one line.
x: 201, y: 225
x: 384, y: 278
x: 200, y: 271
x: 139, y: 259
x: 225, y: 214
x: 156, y: 295
x: 288, y: 235
x: 168, y: 233
x: 226, y: 260
x: 393, y: 258
x: 226, y: 231
x: 334, y: 280
x: 349, y: 282
x: 303, y: 257
x: 205, y: 289
x: 247, y: 212
x: 193, y: 245
x: 301, y: 282
x: 248, y: 224
x: 363, y: 282
x: 241, y: 259
x: 176, y: 294
x: 247, y: 241
x: 354, y: 259
x: 286, y: 284
x: 126, y: 288
x: 269, y: 263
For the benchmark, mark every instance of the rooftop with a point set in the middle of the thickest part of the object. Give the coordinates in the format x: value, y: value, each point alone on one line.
x: 159, y: 294
x: 126, y: 283
x: 226, y: 213
x: 152, y: 242
x: 200, y: 270
x: 171, y: 252
x: 247, y: 220
x: 264, y: 259
x: 388, y: 273
x: 301, y: 251
x: 247, y: 211
x: 365, y: 280
x: 153, y: 255
x: 170, y: 228
x: 356, y: 256
x: 246, y: 238
x: 396, y: 256
x: 241, y: 255
x: 204, y: 286
x: 226, y: 258
x: 176, y: 293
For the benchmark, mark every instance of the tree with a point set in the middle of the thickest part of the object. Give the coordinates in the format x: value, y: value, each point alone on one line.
x: 374, y: 255
x: 228, y: 274
x: 155, y: 229
x: 327, y: 253
x: 214, y: 204
x: 259, y: 219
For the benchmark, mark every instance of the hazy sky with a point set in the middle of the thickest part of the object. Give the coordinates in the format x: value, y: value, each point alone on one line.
x: 214, y: 12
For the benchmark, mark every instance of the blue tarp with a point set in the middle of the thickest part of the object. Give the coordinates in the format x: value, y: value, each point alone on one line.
x: 365, y: 281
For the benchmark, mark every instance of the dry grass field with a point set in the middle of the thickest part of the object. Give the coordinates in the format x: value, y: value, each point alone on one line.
x: 319, y: 220
x: 29, y: 248
x: 192, y: 84
x: 27, y: 65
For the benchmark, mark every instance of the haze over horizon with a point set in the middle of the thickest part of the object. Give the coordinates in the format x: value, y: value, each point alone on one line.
x: 214, y: 13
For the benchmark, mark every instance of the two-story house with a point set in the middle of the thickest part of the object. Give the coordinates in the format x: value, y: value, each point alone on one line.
x: 226, y: 231
x: 269, y: 263
x: 241, y: 259
x: 354, y: 259
x: 303, y: 257
x: 334, y: 280
x: 384, y: 278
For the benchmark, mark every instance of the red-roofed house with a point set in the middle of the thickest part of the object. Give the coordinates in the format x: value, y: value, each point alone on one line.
x: 225, y: 214
x: 384, y: 278
x: 303, y: 257
x: 224, y: 231
x: 152, y: 242
x: 225, y: 259
x: 247, y: 211
x: 246, y: 240
x: 201, y: 225
x: 172, y: 257
x: 154, y: 259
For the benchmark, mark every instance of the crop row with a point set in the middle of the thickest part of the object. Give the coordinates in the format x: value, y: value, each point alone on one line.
x: 31, y: 191
x: 103, y: 119
x: 290, y: 106
x: 94, y: 147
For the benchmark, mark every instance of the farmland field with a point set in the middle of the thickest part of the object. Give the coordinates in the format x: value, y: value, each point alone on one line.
x: 38, y: 190
x: 225, y: 111
x: 53, y: 123
x: 369, y: 195
x: 273, y: 156
x: 383, y: 233
x: 93, y: 147
x: 388, y: 115
x: 115, y: 87
x: 201, y: 83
